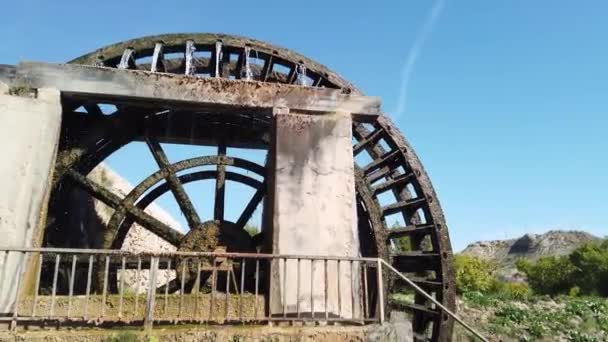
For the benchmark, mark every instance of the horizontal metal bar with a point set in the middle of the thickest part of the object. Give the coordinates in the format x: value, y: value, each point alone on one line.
x: 160, y: 320
x: 319, y: 319
x: 184, y: 254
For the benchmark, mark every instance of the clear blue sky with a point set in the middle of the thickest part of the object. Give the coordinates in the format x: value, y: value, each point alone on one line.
x: 507, y: 102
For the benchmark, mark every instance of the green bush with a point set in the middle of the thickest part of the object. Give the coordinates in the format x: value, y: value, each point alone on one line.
x: 512, y: 314
x: 403, y: 243
x: 584, y: 306
x: 583, y: 272
x: 515, y: 291
x: 549, y: 275
x: 591, y: 263
x: 574, y: 292
x: 576, y: 336
x: 477, y: 298
x: 474, y: 274
x: 252, y: 230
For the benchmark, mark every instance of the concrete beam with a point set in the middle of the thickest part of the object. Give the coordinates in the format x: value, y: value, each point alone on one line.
x: 115, y: 85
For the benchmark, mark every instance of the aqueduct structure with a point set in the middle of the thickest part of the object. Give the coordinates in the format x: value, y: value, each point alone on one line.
x: 324, y: 212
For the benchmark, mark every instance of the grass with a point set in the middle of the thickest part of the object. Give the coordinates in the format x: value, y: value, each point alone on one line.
x: 536, y: 318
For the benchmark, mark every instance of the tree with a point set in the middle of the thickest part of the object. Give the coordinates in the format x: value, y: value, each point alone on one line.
x: 549, y: 275
x: 403, y: 243
x: 591, y: 263
x: 474, y: 274
x: 252, y: 230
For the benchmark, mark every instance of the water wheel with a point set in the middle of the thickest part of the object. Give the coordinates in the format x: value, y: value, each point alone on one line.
x: 390, y: 180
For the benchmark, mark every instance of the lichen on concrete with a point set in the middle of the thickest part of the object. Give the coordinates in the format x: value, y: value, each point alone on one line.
x: 210, y: 333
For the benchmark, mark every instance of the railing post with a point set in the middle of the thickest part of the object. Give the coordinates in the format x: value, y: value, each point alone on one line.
x: 380, y: 290
x: 149, y: 314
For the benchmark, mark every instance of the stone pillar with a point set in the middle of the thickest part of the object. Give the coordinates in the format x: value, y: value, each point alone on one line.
x: 29, y: 134
x: 314, y: 213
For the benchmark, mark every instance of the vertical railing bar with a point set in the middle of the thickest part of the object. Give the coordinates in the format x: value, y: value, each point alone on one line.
x: 37, y: 286
x: 352, y: 288
x: 182, y: 289
x: 380, y: 290
x: 257, y: 277
x: 227, y: 304
x: 137, y: 283
x: 326, y: 290
x: 312, y: 289
x: 284, y: 287
x: 13, y: 326
x: 213, y: 285
x: 339, y: 290
x: 243, y: 265
x: 71, y: 288
x: 365, y: 291
x: 122, y: 286
x: 88, y: 290
x: 197, y: 288
x: 167, y: 280
x: 298, y: 289
x: 105, y: 286
x: 54, y: 290
x: 150, y: 300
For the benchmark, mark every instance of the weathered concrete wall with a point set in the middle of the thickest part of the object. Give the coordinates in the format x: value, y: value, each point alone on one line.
x: 314, y: 213
x: 220, y: 333
x: 29, y: 132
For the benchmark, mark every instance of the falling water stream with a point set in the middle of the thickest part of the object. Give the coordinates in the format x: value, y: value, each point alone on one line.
x: 248, y: 73
x: 218, y: 56
x: 301, y: 75
x: 190, y: 67
x: 127, y: 55
x: 157, y: 56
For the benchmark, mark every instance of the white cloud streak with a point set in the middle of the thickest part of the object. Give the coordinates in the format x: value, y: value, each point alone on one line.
x: 409, y: 64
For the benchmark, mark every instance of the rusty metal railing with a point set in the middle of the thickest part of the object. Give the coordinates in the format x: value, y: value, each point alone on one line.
x: 76, y: 286
x: 95, y: 286
x: 433, y: 300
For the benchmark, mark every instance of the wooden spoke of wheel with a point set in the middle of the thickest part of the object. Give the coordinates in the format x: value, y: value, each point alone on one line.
x: 220, y: 185
x: 251, y: 206
x: 112, y: 200
x: 176, y: 186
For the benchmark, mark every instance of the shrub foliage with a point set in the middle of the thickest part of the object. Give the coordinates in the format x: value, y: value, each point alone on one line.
x: 474, y: 274
x: 549, y: 275
x: 583, y: 272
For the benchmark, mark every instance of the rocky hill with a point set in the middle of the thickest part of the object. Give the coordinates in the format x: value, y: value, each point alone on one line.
x: 530, y: 246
